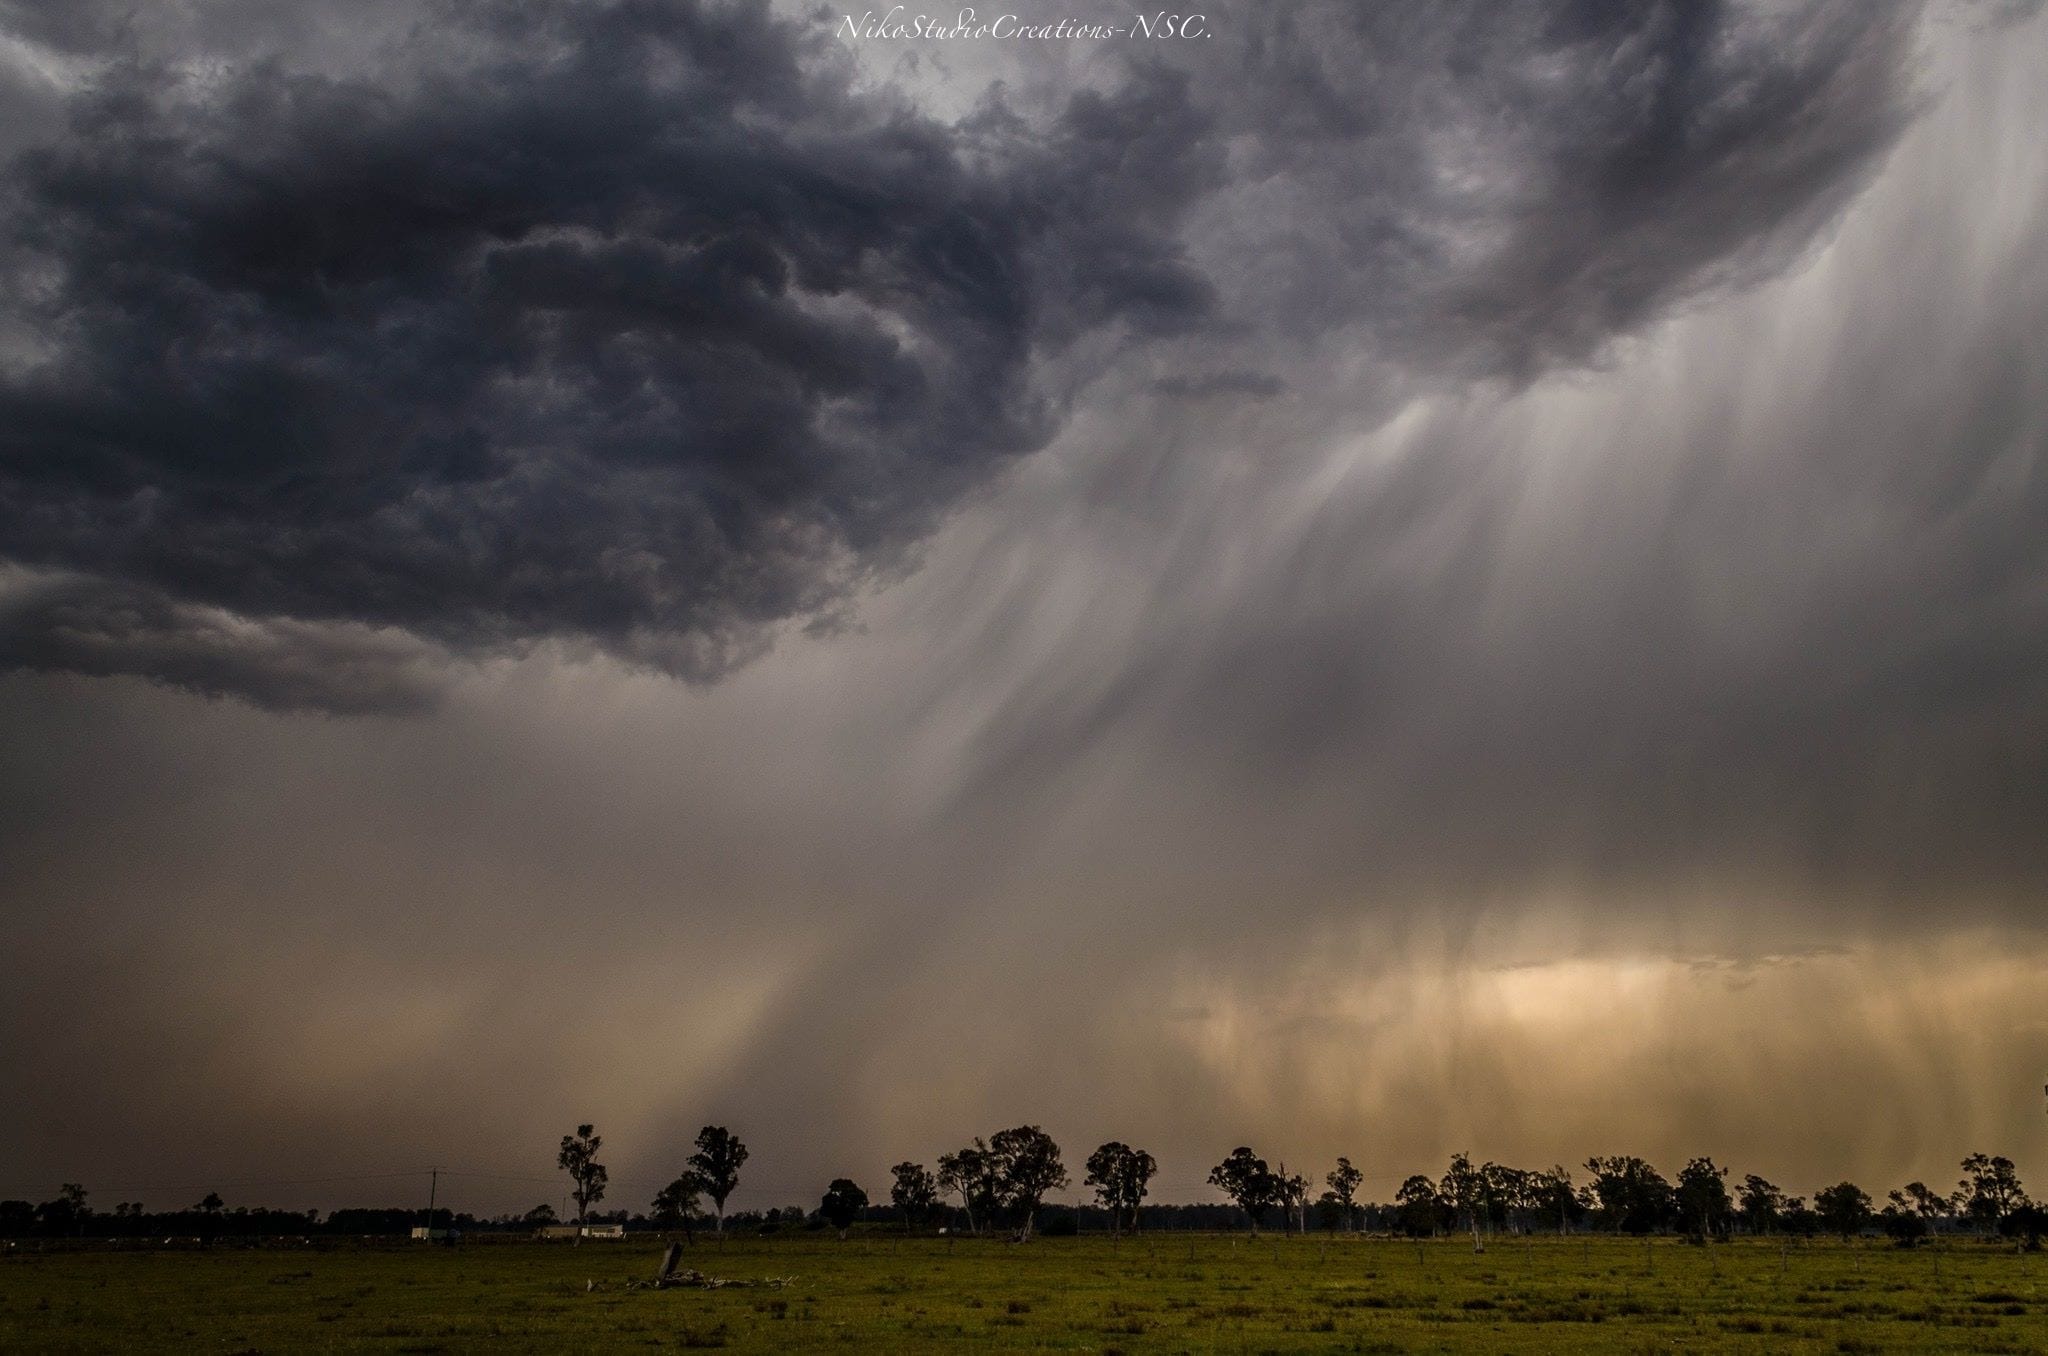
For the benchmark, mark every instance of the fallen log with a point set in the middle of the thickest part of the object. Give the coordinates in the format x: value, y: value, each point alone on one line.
x: 692, y: 1279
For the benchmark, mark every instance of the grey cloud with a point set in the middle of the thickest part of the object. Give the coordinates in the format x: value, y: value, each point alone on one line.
x: 1738, y: 137
x: 1756, y: 620
x: 637, y: 327
x: 91, y: 626
x: 631, y: 326
x: 1499, y: 193
x: 1257, y: 385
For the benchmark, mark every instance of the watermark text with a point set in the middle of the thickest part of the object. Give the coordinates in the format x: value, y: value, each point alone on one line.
x: 899, y: 24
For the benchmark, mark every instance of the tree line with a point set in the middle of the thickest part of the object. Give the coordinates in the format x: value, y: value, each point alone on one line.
x: 999, y: 1184
x: 1626, y: 1194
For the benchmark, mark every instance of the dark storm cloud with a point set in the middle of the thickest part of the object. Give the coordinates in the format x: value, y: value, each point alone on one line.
x: 1734, y: 138
x: 618, y: 324
x: 1256, y: 385
x: 1771, y: 620
x: 1501, y: 192
x: 80, y: 27
x: 634, y: 326
x: 106, y: 628
x: 1758, y: 616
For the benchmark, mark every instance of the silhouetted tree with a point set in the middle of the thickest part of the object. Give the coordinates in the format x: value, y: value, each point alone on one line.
x: 2027, y: 1222
x: 1120, y: 1176
x: 1027, y: 1166
x: 1503, y: 1194
x: 1343, y: 1182
x: 1290, y: 1193
x: 1844, y: 1209
x: 1989, y: 1191
x: 73, y: 1195
x: 717, y: 1162
x: 1762, y: 1204
x: 842, y: 1204
x: 1552, y: 1201
x: 915, y: 1193
x: 1902, y: 1222
x: 675, y: 1205
x: 1463, y: 1190
x: 1245, y: 1178
x: 1419, y: 1207
x: 1703, y: 1198
x: 1929, y: 1204
x: 1633, y: 1196
x: 66, y: 1213
x: 578, y: 1158
x: 973, y: 1173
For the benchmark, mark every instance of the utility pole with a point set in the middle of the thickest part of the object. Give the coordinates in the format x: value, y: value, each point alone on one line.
x: 433, y: 1190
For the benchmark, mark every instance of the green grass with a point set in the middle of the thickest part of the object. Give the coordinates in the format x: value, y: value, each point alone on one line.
x: 1157, y: 1293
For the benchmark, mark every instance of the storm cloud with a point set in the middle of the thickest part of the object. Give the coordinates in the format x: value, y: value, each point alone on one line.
x: 644, y: 327
x: 620, y: 326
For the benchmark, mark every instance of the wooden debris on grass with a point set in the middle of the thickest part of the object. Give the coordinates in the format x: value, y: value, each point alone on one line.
x: 691, y: 1279
x: 672, y: 1274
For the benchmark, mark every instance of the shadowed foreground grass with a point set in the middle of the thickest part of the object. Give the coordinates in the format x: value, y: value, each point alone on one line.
x: 1166, y: 1292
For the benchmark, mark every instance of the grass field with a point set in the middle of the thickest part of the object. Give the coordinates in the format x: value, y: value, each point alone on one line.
x: 1166, y: 1292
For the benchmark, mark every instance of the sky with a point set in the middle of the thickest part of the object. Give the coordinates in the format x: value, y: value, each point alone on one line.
x: 1378, y: 580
